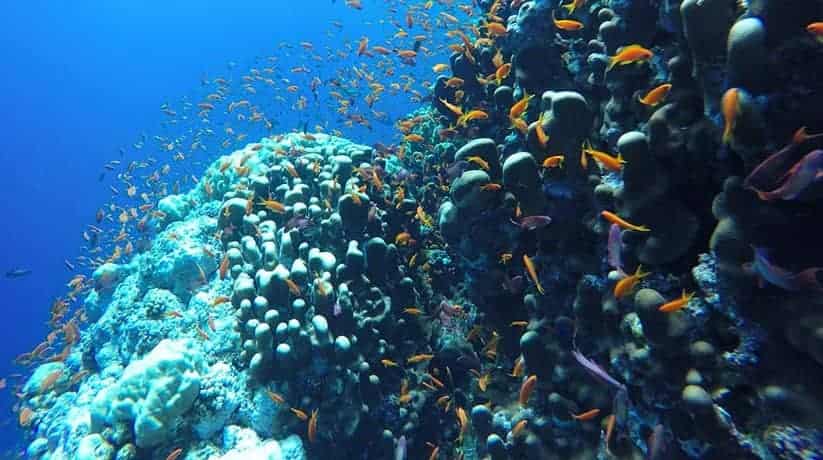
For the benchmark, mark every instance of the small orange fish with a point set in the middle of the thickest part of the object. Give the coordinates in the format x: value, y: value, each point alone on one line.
x: 311, y: 431
x: 496, y: 29
x: 502, y: 72
x: 816, y: 29
x: 224, y: 266
x: 802, y: 135
x: 273, y: 206
x: 542, y: 137
x: 413, y: 311
x: 630, y: 54
x: 532, y: 271
x: 452, y: 108
x: 419, y: 358
x: 610, y: 422
x: 519, y: 107
x: 484, y: 165
x: 471, y: 116
x: 626, y: 285
x: 492, y: 187
x: 677, y: 304
x: 293, y: 287
x: 575, y: 4
x: 276, y: 397
x: 731, y: 109
x: 388, y: 363
x: 175, y: 454
x: 588, y: 415
x: 526, y: 390
x: 220, y: 299
x: 555, y: 161
x: 613, y: 164
x: 656, y: 96
x: 299, y: 414
x: 434, y: 453
x: 615, y: 219
x: 568, y: 25
x: 518, y: 428
x: 517, y: 371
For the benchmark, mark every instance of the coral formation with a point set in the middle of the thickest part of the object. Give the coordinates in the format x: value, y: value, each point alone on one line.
x: 624, y: 262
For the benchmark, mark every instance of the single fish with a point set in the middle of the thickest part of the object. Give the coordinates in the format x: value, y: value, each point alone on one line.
x: 801, y: 176
x: 17, y: 273
x: 532, y: 222
x: 614, y: 247
x: 596, y: 370
x: 806, y: 280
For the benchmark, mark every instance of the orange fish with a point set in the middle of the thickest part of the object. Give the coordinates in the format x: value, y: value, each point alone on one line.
x: 224, y: 266
x: 175, y: 454
x: 630, y: 54
x: 496, y: 29
x: 518, y: 428
x: 656, y: 96
x: 615, y: 219
x: 527, y: 261
x: 520, y: 106
x: 526, y: 390
x: 568, y: 25
x: 362, y: 46
x: 626, y: 285
x: 311, y: 432
x: 575, y: 4
x: 610, y: 422
x: 419, y: 358
x: 731, y: 109
x: 470, y: 116
x: 555, y: 161
x: 816, y: 29
x: 677, y: 304
x: 613, y: 164
x: 275, y: 397
x: 484, y: 165
x: 588, y: 415
x: 502, y: 72
x: 299, y: 414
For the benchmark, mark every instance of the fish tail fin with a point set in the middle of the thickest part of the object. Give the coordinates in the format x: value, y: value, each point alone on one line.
x: 568, y: 7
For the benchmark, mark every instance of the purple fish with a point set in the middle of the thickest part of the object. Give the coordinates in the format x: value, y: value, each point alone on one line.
x: 400, y: 448
x: 768, y: 173
x: 532, y: 222
x: 614, y: 247
x: 801, y: 176
x: 805, y: 280
x: 596, y: 371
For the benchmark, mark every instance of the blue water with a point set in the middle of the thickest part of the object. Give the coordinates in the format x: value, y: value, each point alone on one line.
x: 80, y: 80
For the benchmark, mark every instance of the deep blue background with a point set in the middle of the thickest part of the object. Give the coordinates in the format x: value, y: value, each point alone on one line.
x: 78, y: 80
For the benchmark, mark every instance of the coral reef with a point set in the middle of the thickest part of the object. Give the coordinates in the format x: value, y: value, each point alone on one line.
x: 624, y: 262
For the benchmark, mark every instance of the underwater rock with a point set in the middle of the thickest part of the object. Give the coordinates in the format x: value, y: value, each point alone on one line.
x: 746, y: 55
x: 644, y: 199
